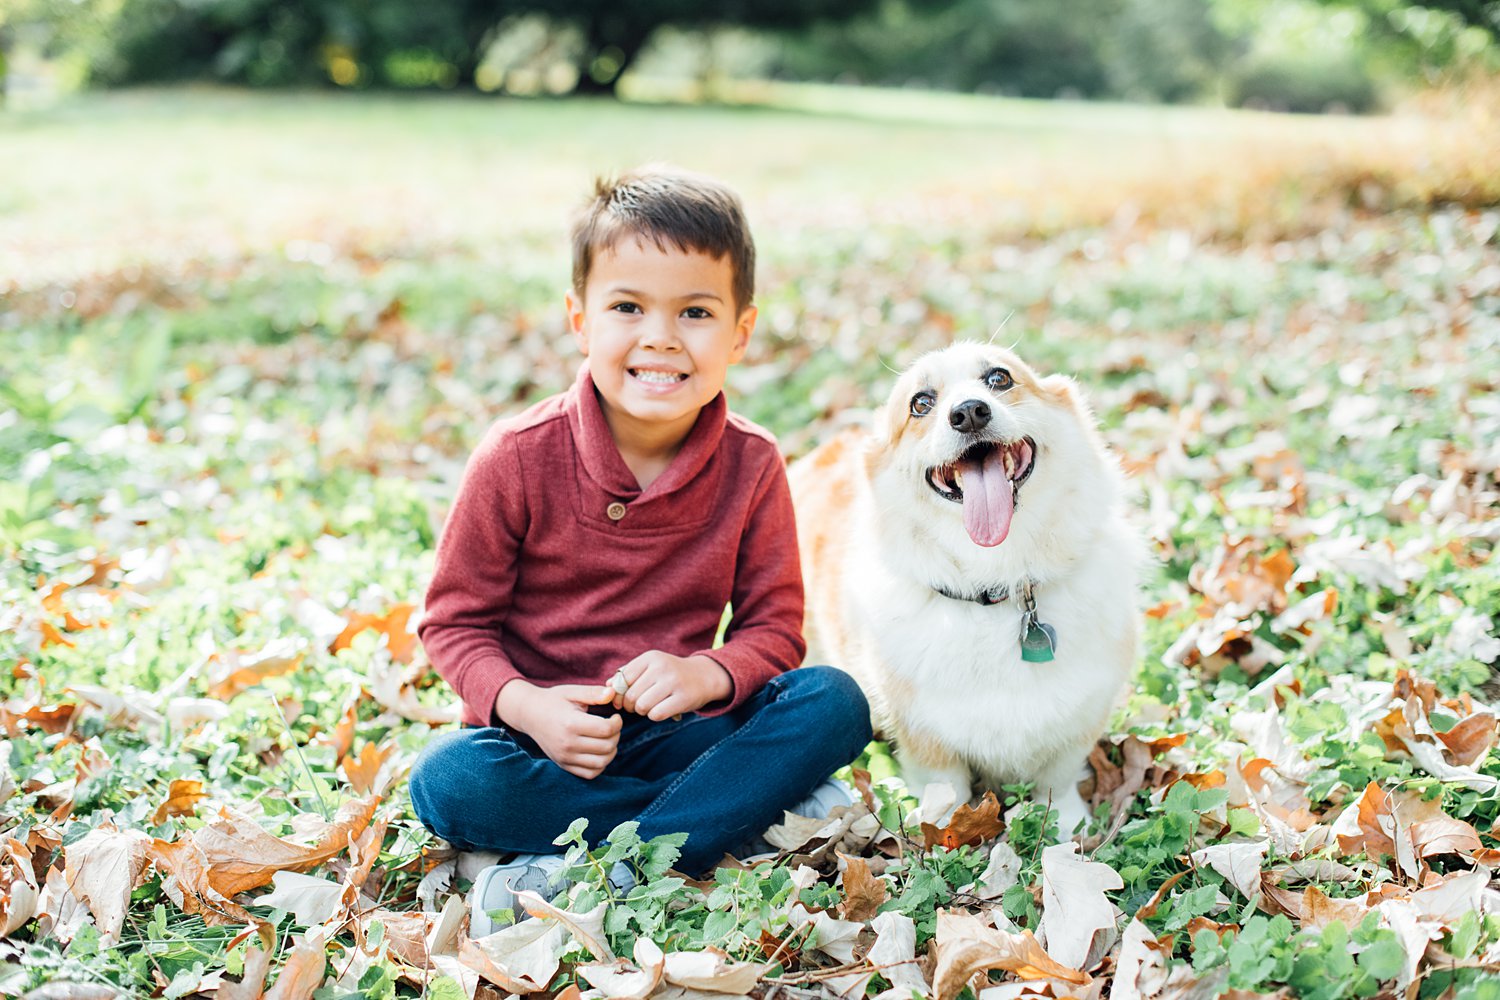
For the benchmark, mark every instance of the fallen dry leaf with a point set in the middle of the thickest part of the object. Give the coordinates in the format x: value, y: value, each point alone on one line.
x: 257, y: 963
x: 233, y: 854
x: 620, y: 980
x: 521, y: 958
x: 400, y: 640
x: 19, y: 893
x: 970, y: 825
x: 863, y: 892
x: 363, y: 770
x: 587, y: 928
x: 102, y: 869
x: 1078, y: 920
x: 234, y: 671
x: 183, y: 796
x: 304, y: 970
x: 310, y: 899
x: 710, y: 970
x: 965, y: 946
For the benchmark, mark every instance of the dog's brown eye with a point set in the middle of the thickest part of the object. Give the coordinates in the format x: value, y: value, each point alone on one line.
x: 998, y: 379
x: 922, y: 403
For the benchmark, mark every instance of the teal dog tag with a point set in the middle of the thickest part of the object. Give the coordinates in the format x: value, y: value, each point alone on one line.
x: 1039, y: 643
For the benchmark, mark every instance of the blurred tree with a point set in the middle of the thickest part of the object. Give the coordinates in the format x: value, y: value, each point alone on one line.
x: 1146, y: 49
x: 615, y: 33
x: 396, y: 42
x: 67, y: 30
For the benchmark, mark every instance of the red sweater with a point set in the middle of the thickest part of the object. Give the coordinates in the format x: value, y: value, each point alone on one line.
x: 535, y: 579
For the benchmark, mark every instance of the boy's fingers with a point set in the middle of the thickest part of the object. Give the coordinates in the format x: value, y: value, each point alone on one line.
x: 598, y: 727
x: 588, y: 694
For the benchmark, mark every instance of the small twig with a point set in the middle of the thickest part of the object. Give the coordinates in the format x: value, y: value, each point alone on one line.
x: 847, y: 969
x: 775, y: 955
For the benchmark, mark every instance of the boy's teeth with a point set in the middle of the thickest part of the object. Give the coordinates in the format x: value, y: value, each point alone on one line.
x: 662, y: 377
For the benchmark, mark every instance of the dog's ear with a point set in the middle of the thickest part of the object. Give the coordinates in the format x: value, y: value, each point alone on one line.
x: 1064, y: 390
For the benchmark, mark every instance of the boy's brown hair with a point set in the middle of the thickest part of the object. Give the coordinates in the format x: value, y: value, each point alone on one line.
x: 669, y: 207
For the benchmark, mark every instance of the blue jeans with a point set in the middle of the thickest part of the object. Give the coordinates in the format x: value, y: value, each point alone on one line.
x: 719, y: 779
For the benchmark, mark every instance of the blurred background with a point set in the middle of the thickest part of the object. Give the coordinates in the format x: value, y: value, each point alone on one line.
x: 1293, y: 55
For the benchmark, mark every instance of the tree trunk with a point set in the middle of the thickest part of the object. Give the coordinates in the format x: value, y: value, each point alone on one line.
x: 620, y: 44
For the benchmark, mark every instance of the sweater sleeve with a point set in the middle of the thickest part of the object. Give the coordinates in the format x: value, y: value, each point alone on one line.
x: 470, y: 593
x: 764, y: 637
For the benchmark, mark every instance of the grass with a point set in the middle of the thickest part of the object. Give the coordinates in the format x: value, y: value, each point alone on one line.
x: 244, y: 354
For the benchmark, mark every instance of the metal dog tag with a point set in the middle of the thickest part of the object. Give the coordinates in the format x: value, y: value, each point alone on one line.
x: 1039, y: 642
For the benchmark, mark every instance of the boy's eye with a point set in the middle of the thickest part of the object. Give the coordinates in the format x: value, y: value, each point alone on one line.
x: 626, y: 307
x: 697, y: 312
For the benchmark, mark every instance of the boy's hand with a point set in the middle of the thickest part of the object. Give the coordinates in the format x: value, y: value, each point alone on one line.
x: 558, y: 719
x: 660, y: 685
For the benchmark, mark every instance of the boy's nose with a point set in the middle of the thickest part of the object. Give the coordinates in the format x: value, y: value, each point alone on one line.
x: 660, y: 336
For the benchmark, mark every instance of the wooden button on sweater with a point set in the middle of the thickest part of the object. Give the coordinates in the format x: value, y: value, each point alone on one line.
x: 615, y: 511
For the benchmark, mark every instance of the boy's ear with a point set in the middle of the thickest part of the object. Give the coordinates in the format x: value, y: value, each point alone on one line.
x: 743, y: 328
x: 574, y: 303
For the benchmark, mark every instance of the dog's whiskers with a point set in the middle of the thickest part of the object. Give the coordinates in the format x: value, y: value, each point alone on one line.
x: 1003, y: 322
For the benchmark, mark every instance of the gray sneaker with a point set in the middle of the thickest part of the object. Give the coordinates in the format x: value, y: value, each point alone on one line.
x: 824, y: 799
x: 821, y: 801
x: 497, y: 885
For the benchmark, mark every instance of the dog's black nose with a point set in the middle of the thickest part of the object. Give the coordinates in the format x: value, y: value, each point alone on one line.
x: 969, y: 416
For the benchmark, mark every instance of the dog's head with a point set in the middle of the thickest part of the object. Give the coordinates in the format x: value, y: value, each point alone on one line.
x: 972, y: 429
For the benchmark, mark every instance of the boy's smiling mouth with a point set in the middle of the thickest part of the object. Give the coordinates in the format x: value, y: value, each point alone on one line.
x: 657, y: 376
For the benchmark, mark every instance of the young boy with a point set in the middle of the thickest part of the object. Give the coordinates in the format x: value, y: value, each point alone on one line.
x: 588, y: 558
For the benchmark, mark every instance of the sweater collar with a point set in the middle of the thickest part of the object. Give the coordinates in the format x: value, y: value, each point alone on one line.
x: 601, y: 458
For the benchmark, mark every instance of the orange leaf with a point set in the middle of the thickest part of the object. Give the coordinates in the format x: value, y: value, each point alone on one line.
x: 183, y: 796
x: 238, y: 671
x: 52, y: 637
x: 401, y: 642
x: 361, y: 771
x: 304, y: 970
x: 1372, y: 839
x: 969, y: 825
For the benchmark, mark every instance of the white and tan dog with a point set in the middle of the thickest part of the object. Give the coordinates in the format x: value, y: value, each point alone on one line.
x: 983, y: 490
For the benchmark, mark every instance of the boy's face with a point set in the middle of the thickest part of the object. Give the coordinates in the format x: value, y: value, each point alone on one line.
x: 660, y: 329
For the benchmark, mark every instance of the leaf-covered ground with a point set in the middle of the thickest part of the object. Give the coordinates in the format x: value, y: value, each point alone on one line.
x: 227, y: 441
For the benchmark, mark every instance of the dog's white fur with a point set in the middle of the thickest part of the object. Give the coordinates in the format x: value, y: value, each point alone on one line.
x: 945, y: 677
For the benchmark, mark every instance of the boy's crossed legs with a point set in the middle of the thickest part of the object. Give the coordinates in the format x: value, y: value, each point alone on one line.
x: 719, y: 779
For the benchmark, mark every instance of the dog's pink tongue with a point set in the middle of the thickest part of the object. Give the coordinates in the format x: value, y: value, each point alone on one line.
x: 989, y: 500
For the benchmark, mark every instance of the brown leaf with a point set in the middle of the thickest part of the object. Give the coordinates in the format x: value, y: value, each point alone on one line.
x: 399, y: 639
x: 233, y: 853
x: 966, y: 946
x: 186, y: 883
x: 1471, y: 739
x: 1320, y: 910
x: 970, y: 825
x: 102, y: 869
x: 183, y: 796
x: 863, y: 892
x: 1374, y: 819
x: 244, y: 856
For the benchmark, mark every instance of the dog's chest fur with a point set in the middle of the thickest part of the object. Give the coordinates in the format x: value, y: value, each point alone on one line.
x: 956, y: 666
